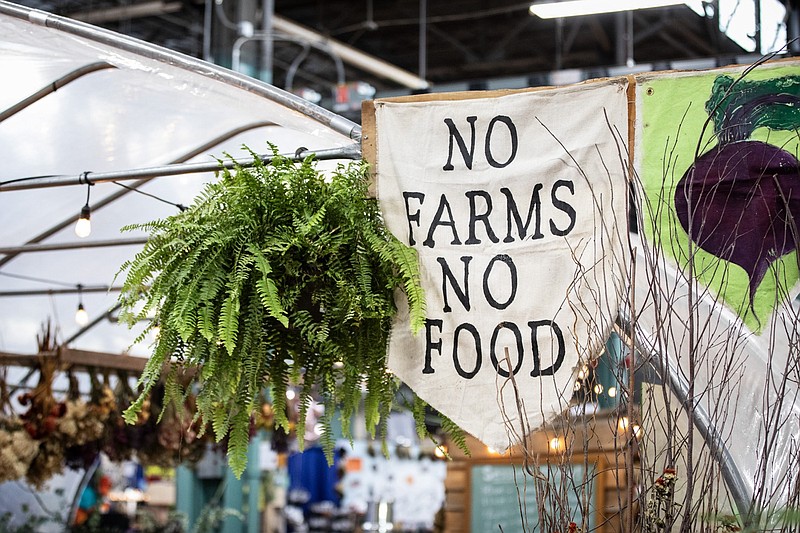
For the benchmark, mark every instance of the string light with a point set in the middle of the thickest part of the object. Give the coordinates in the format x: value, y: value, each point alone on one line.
x: 81, y: 316
x: 84, y: 226
x: 556, y: 444
x: 440, y: 451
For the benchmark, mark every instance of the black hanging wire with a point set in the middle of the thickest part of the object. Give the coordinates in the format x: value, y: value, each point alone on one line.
x: 38, y: 280
x: 179, y: 206
x: 86, y: 209
x: 80, y: 299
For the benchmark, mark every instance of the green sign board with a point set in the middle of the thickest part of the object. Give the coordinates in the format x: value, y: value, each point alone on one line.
x: 503, y: 495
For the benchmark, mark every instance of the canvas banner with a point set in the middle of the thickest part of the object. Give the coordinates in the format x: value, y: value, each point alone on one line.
x: 516, y: 205
x: 716, y: 153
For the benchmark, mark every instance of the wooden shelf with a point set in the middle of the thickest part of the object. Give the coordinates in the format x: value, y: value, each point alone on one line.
x: 70, y: 358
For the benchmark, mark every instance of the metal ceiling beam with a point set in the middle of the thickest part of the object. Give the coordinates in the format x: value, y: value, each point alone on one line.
x: 469, y: 55
x: 79, y: 245
x: 498, y: 50
x: 690, y: 37
x: 351, y: 55
x: 110, y: 14
x: 600, y: 34
x: 574, y: 31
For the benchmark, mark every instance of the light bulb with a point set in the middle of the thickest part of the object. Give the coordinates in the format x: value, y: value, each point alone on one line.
x: 440, y: 451
x: 84, y: 226
x: 81, y: 316
x: 556, y: 444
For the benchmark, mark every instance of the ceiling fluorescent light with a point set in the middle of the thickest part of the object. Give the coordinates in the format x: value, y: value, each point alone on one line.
x: 576, y: 8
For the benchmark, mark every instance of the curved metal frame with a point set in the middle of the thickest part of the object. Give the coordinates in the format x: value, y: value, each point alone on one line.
x: 740, y: 492
x: 53, y: 87
x: 197, y: 66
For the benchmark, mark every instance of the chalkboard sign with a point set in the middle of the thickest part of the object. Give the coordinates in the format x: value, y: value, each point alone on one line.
x: 498, y: 489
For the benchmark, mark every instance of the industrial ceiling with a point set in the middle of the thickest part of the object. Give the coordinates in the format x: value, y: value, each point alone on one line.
x: 461, y: 44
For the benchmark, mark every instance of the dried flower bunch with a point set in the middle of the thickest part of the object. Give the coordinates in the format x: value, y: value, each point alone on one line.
x: 53, y: 433
x: 661, y: 505
x: 17, y: 448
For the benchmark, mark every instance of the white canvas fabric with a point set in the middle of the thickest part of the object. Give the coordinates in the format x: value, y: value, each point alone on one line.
x: 516, y: 204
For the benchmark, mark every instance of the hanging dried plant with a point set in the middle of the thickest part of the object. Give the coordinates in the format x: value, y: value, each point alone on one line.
x: 17, y: 448
x: 82, y: 427
x: 171, y: 435
x: 276, y: 271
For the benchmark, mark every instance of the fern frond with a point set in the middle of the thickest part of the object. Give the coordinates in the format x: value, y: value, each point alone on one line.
x: 239, y: 442
x: 456, y: 435
x: 272, y: 263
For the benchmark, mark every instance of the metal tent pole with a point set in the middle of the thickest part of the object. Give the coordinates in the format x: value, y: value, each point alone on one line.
x: 53, y: 87
x: 39, y: 182
x: 739, y: 489
x: 49, y: 292
x: 56, y: 247
x: 122, y: 192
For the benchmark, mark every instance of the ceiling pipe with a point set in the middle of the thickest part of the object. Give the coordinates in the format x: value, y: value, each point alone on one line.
x: 351, y: 55
x: 110, y: 14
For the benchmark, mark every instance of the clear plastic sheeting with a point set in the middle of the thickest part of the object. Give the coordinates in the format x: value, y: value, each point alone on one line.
x: 118, y: 104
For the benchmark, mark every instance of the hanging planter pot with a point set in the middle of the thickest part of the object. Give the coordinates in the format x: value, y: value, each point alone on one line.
x: 278, y: 273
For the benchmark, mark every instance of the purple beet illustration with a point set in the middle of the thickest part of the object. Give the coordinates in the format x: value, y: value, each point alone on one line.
x: 739, y: 201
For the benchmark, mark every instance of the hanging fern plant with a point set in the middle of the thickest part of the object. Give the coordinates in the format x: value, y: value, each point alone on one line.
x: 275, y: 274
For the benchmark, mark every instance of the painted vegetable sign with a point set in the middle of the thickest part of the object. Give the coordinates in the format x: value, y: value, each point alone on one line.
x: 739, y: 200
x: 718, y: 268
x: 718, y: 163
